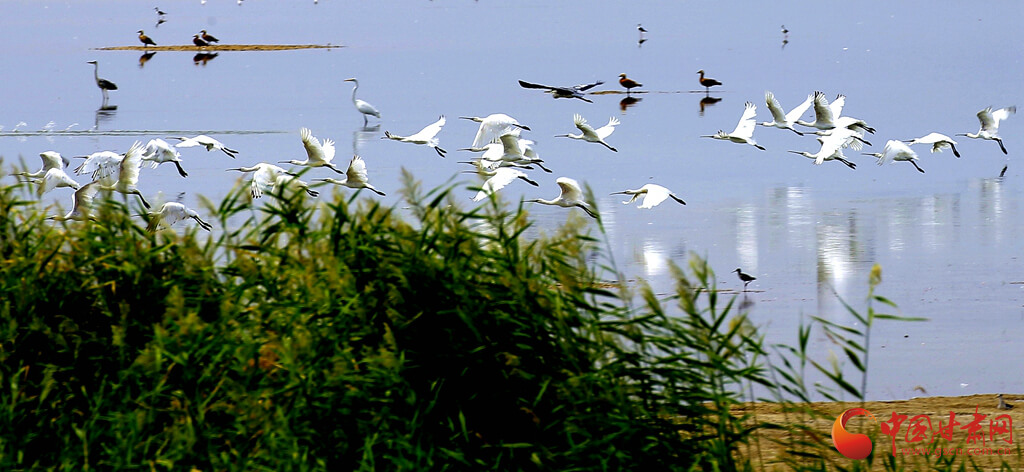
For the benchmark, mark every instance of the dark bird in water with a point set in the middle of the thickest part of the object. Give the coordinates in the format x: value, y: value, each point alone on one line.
x: 640, y: 28
x: 145, y: 57
x: 628, y: 83
x: 707, y: 82
x: 563, y: 92
x: 745, y: 278
x: 208, y: 37
x: 146, y: 41
x: 199, y: 42
x: 103, y: 84
x: 784, y: 30
x: 159, y: 12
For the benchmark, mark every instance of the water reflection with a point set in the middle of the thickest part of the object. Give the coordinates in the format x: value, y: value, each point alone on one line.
x: 103, y: 115
x: 145, y: 57
x: 203, y: 58
x: 708, y: 101
x: 991, y: 207
x: 746, y: 237
x: 363, y: 134
x: 628, y: 102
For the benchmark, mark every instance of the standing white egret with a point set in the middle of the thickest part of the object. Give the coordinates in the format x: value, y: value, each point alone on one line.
x: 102, y: 166
x: 365, y: 108
x: 317, y: 155
x: 781, y: 119
x: 103, y: 84
x: 569, y: 196
x: 173, y: 212
x: 51, y: 160
x: 990, y: 125
x: 158, y: 151
x: 82, y: 204
x: 128, y: 174
x: 937, y: 140
x: 896, y: 151
x: 831, y: 149
x: 492, y: 127
x: 263, y: 178
x: 653, y: 195
x: 427, y: 135
x: 591, y: 135
x: 205, y: 141
x: 744, y: 132
x: 355, y: 177
x: 499, y: 179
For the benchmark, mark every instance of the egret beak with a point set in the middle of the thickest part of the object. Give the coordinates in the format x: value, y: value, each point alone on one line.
x: 794, y: 152
x: 561, y: 135
x: 960, y: 134
x: 619, y: 193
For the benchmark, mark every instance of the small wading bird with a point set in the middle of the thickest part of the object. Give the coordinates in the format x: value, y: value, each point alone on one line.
x: 784, y: 30
x: 498, y: 179
x: 173, y: 212
x: 158, y: 151
x: 640, y: 29
x: 493, y: 127
x: 263, y: 178
x: 159, y: 12
x: 896, y: 151
x: 707, y: 83
x: 569, y: 196
x: 990, y: 125
x: 628, y: 83
x: 317, y: 155
x: 653, y: 195
x: 591, y: 135
x: 355, y: 177
x: 146, y: 40
x: 208, y: 37
x: 744, y: 132
x: 205, y: 141
x: 81, y: 204
x: 128, y: 174
x: 745, y: 278
x: 427, y: 135
x: 365, y: 108
x: 781, y: 119
x: 103, y: 84
x: 938, y: 142
x: 199, y: 41
x: 563, y: 92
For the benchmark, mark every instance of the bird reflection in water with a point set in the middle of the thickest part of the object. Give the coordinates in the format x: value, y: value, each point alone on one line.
x: 143, y: 59
x: 641, y: 42
x: 628, y: 102
x: 708, y: 101
x: 362, y: 135
x: 160, y: 22
x: 103, y: 115
x: 204, y: 57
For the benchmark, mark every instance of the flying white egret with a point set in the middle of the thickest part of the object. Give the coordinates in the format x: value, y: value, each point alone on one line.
x: 744, y: 132
x: 355, y: 177
x: 653, y: 195
x: 492, y: 127
x: 563, y: 92
x: 831, y: 149
x: 824, y: 113
x: 205, y: 141
x: 128, y: 174
x: 990, y: 125
x: 173, y: 212
x: 263, y: 178
x: 365, y: 108
x: 781, y: 119
x: 896, y: 151
x: 317, y: 155
x: 569, y: 196
x: 157, y: 152
x: 499, y: 178
x: 520, y: 151
x: 591, y: 135
x: 427, y: 135
x: 290, y: 182
x: 103, y: 84
x: 82, y: 204
x: 55, y: 178
x: 102, y: 166
x: 484, y: 167
x: 51, y: 160
x: 937, y: 140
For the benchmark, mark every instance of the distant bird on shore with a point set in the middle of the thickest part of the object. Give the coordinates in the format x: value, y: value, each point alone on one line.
x: 569, y: 196
x: 745, y: 278
x: 591, y: 135
x: 103, y: 84
x: 937, y: 140
x: 205, y: 141
x: 707, y: 82
x: 640, y: 29
x: 563, y: 92
x: 628, y: 83
x: 653, y: 195
x: 990, y: 125
x: 744, y: 132
x: 355, y: 177
x: 427, y: 136
x: 146, y: 40
x: 784, y: 30
x: 208, y: 37
x: 1002, y: 404
x: 173, y: 212
x: 159, y: 12
x: 199, y: 41
x: 362, y: 106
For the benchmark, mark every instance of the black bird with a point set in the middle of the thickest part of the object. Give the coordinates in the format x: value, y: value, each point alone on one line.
x: 745, y: 278
x: 146, y: 41
x: 707, y: 82
x: 199, y: 42
x: 208, y: 37
x: 159, y: 12
x: 563, y: 92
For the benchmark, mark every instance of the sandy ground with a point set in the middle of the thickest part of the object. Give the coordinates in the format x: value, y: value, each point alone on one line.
x: 770, y: 453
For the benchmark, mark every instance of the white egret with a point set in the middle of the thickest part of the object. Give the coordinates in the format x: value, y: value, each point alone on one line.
x: 520, y: 151
x: 355, y: 177
x: 781, y: 119
x: 103, y: 84
x: 569, y: 196
x: 653, y: 195
x: 563, y: 92
x: 205, y: 141
x: 831, y: 149
x: 427, y: 135
x: 628, y: 83
x: 263, y: 178
x: 937, y: 140
x: 128, y: 174
x: 173, y: 212
x: 499, y: 178
x: 824, y: 114
x: 707, y: 82
x: 591, y: 135
x: 55, y: 178
x: 744, y: 132
x: 101, y: 165
x: 896, y: 151
x: 365, y: 108
x: 990, y: 125
x: 146, y: 40
x: 317, y: 155
x: 51, y: 160
x: 492, y: 127
x: 157, y: 152
x: 82, y: 204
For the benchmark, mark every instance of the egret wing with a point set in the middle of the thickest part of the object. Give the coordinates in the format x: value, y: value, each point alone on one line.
x: 774, y: 107
x: 655, y: 195
x: 606, y: 130
x: 745, y: 128
x: 128, y: 173
x: 799, y: 111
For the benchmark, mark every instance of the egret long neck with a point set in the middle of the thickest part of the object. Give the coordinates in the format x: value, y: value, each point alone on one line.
x: 354, y: 91
x: 96, y: 72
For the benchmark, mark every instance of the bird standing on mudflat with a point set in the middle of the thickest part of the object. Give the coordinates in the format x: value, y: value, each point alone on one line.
x: 207, y: 37
x: 745, y: 278
x: 628, y: 83
x: 706, y: 82
x: 146, y: 40
x: 199, y: 41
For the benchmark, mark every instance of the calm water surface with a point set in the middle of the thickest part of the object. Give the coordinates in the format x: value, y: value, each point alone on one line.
x: 947, y: 239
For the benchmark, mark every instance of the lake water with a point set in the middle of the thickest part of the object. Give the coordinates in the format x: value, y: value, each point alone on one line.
x: 948, y: 240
